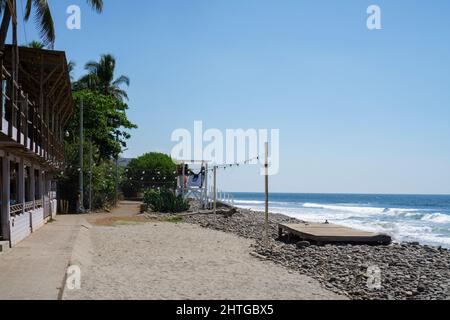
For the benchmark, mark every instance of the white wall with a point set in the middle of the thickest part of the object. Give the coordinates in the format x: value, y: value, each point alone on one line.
x: 20, y: 228
x: 37, y: 219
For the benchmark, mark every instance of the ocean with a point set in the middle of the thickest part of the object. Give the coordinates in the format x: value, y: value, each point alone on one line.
x: 413, y: 218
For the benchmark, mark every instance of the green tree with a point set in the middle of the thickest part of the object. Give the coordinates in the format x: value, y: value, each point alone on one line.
x: 151, y: 170
x: 105, y: 121
x: 103, y: 177
x: 70, y: 68
x: 101, y: 77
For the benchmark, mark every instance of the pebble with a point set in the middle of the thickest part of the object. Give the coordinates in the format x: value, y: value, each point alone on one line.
x: 344, y: 269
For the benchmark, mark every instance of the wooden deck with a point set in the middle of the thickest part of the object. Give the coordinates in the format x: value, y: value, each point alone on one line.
x: 331, y: 233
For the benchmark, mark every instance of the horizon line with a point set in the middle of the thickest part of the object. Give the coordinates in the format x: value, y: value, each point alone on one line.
x: 350, y: 193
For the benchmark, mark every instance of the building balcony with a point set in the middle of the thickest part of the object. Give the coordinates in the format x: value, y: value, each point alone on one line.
x: 35, y: 105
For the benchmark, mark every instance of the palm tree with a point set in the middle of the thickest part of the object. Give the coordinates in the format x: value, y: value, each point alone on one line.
x: 70, y: 67
x: 100, y: 77
x: 42, y: 16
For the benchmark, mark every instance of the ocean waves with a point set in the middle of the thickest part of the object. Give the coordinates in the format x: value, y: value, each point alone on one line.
x: 400, y: 220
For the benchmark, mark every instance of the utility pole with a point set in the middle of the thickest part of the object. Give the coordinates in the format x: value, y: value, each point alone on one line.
x: 266, y: 168
x: 81, y: 155
x: 90, y: 174
x: 215, y: 190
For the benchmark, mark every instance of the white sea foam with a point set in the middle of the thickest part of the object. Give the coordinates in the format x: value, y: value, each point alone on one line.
x: 362, y: 209
x: 403, y: 224
x: 248, y: 202
x: 437, y: 218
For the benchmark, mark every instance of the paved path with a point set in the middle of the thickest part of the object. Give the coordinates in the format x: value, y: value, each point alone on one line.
x: 35, y: 269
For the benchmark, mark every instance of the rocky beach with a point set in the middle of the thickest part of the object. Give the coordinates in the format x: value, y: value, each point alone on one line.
x: 404, y: 271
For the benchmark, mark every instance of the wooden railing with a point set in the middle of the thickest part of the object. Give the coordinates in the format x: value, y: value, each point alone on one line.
x: 29, y: 206
x: 25, y: 116
x: 38, y: 204
x: 16, y: 209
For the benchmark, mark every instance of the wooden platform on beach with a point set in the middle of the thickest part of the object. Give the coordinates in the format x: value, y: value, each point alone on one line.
x: 332, y: 233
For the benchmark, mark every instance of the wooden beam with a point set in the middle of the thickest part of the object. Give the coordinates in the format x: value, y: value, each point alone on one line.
x: 22, y: 69
x: 56, y: 84
x: 52, y: 73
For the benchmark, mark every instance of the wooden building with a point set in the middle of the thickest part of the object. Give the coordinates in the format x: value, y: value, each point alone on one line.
x: 36, y: 103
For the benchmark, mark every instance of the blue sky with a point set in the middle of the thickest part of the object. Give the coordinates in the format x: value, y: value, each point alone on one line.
x: 359, y: 111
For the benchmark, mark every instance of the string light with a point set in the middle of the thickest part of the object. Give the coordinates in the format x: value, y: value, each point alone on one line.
x: 238, y: 164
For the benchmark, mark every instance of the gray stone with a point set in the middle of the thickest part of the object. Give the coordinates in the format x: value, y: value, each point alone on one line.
x: 303, y: 244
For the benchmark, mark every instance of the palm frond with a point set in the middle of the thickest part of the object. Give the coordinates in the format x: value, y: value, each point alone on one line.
x: 121, y: 80
x: 91, y: 67
x: 2, y: 5
x: 36, y: 45
x: 97, y: 5
x: 43, y: 18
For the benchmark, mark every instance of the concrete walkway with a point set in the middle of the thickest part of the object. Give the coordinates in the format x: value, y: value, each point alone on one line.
x: 35, y: 269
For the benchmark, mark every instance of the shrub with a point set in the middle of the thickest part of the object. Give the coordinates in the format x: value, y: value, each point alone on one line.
x: 165, y: 201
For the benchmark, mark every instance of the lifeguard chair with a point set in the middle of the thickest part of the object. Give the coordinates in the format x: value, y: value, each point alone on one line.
x: 192, y: 181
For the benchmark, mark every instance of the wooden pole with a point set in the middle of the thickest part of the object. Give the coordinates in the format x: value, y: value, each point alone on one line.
x: 215, y: 190
x: 183, y: 171
x: 116, y: 199
x: 266, y: 168
x: 81, y: 155
x: 206, y: 201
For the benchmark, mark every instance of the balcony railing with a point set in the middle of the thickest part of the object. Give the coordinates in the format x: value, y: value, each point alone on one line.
x: 16, y: 209
x: 38, y: 204
x: 29, y: 206
x: 21, y: 120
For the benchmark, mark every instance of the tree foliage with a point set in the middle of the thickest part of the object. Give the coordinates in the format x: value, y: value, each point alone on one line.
x: 105, y: 121
x: 44, y: 20
x: 101, y: 77
x: 151, y: 170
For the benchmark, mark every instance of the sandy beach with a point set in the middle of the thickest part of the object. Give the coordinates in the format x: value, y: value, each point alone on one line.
x: 406, y: 270
x: 126, y: 255
x: 162, y: 260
